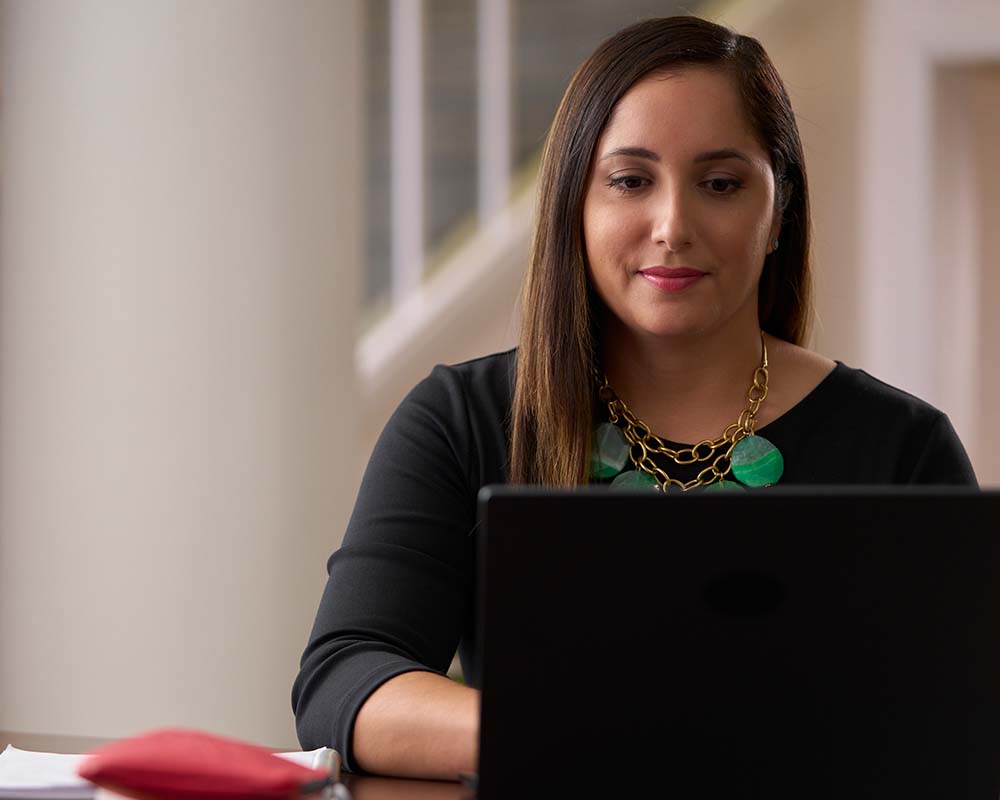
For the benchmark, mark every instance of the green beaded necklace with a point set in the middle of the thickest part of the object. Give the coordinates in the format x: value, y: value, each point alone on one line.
x: 738, y: 452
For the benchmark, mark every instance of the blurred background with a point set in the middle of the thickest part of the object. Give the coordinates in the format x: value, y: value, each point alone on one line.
x: 234, y: 233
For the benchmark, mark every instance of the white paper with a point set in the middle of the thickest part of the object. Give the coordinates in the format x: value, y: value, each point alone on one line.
x: 28, y: 775
x: 306, y: 758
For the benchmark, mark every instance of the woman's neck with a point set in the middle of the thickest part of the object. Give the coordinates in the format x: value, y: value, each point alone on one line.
x: 684, y: 388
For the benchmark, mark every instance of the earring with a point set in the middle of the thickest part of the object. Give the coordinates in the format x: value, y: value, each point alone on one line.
x: 774, y: 245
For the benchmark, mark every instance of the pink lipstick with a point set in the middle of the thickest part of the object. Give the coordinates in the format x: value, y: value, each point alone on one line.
x: 672, y: 279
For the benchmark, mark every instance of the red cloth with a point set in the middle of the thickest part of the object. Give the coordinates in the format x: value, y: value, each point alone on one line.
x: 179, y: 764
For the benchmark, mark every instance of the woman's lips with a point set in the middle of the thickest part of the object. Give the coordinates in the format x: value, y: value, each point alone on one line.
x: 672, y: 279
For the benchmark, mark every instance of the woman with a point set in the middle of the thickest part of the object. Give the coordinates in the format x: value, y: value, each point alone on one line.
x: 668, y: 294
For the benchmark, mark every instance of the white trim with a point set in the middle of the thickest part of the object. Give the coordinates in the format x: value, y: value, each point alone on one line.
x: 407, y: 145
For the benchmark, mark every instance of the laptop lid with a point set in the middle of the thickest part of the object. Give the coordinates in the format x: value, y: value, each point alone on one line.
x: 836, y: 642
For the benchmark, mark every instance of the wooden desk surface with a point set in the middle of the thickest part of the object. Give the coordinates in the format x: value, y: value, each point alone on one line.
x: 362, y: 787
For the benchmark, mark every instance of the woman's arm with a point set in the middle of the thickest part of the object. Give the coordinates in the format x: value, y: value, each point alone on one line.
x: 400, y: 597
x: 418, y: 725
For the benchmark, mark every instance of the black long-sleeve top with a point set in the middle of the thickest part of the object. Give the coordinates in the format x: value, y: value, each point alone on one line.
x: 401, y: 590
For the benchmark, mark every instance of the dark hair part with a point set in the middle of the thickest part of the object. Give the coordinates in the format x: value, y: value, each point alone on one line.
x: 555, y: 389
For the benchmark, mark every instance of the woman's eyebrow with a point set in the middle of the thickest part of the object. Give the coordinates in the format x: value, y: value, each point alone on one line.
x: 710, y: 155
x: 721, y: 155
x: 637, y: 152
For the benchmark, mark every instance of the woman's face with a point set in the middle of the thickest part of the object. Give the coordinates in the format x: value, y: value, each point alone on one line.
x: 678, y: 213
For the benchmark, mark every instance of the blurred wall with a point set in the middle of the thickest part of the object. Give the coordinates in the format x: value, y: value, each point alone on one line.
x: 179, y: 283
x: 966, y: 204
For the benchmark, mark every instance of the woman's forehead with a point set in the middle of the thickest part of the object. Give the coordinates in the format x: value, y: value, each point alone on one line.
x: 678, y: 113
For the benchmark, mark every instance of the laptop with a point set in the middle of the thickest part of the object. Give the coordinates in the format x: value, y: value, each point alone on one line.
x: 807, y: 642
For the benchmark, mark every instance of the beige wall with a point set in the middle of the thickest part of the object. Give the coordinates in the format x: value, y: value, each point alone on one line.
x: 179, y: 277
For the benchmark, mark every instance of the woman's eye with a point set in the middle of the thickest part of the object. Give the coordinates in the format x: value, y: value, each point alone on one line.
x: 627, y: 183
x: 722, y: 185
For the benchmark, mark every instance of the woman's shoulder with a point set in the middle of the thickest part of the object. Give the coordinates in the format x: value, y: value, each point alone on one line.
x: 492, y: 367
x: 803, y: 377
x: 821, y: 397
x: 868, y: 431
x: 485, y: 380
x: 871, y: 395
x: 458, y: 415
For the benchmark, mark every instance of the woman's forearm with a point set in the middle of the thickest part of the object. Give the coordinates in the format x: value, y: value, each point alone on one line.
x: 418, y: 725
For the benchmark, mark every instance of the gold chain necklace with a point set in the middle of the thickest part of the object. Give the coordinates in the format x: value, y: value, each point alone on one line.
x: 642, y: 443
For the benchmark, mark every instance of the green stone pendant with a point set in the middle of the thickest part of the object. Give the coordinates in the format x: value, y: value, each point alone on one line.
x: 610, y: 451
x: 757, y: 462
x: 635, y: 479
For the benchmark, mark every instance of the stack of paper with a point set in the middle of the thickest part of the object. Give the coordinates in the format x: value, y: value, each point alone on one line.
x: 43, y: 776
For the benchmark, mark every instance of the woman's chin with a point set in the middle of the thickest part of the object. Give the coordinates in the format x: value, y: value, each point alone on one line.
x: 673, y: 328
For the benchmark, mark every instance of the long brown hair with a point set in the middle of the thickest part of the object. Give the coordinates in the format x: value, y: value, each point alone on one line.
x: 554, y: 396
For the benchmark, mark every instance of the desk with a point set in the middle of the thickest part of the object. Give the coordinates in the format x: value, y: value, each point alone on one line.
x: 362, y: 787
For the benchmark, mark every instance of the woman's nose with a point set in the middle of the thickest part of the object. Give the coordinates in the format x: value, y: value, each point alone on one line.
x: 672, y: 223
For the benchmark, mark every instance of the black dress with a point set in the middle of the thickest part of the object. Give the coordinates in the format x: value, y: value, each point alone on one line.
x: 401, y: 589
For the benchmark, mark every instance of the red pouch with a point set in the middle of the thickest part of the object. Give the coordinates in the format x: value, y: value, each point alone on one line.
x: 179, y: 764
